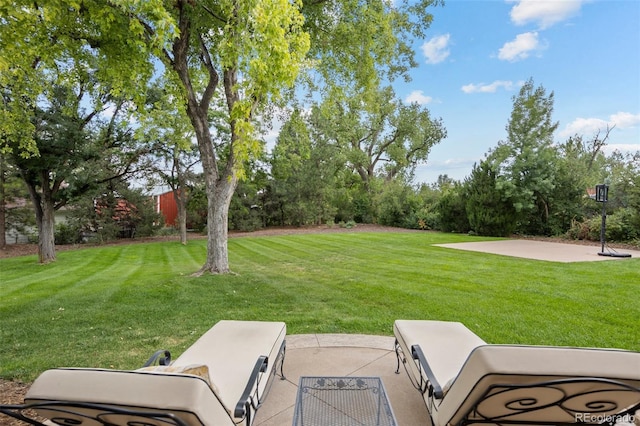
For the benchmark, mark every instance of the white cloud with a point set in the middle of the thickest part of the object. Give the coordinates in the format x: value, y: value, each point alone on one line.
x: 418, y: 97
x: 582, y: 126
x: 521, y: 47
x: 487, y: 88
x: 545, y: 13
x: 589, y: 126
x: 436, y: 50
x: 623, y: 120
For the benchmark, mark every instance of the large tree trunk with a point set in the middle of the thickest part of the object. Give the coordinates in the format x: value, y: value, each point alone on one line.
x: 219, y: 189
x: 45, y: 220
x: 180, y: 197
x: 182, y: 219
x: 3, y: 207
x: 46, y: 235
x: 218, y: 186
x: 217, y: 226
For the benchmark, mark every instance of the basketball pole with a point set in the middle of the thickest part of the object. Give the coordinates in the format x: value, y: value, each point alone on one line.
x: 602, y: 196
x: 603, y: 226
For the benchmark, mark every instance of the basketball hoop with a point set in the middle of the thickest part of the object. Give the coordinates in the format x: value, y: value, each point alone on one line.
x: 600, y: 193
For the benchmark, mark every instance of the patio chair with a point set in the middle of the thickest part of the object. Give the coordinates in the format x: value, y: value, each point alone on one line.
x: 222, y: 379
x: 465, y: 381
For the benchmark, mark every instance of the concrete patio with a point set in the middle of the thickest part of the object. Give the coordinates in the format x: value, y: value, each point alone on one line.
x: 342, y: 355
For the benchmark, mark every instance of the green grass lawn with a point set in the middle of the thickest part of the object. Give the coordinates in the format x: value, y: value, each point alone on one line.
x: 112, y: 306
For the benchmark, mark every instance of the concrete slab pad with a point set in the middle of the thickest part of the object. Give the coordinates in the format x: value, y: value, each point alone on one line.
x: 339, y: 340
x: 541, y: 250
x: 341, y: 355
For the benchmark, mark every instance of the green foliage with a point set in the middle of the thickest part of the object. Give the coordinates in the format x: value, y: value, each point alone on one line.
x: 197, y: 208
x: 362, y: 43
x: 255, y: 49
x: 36, y: 38
x: 246, y: 211
x: 567, y: 202
x: 21, y: 221
x: 66, y: 233
x: 452, y: 210
x: 427, y: 219
x: 378, y: 134
x: 623, y: 225
x: 426, y: 215
x: 526, y: 162
x: 362, y: 206
x: 79, y: 149
x: 347, y: 225
x: 489, y: 210
x: 108, y: 214
x: 68, y: 149
x: 269, y: 56
x: 396, y: 205
x: 306, y: 176
x: 143, y: 218
x: 580, y: 230
x: 18, y: 212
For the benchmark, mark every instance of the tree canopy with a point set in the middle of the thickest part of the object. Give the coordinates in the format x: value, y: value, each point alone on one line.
x: 245, y: 51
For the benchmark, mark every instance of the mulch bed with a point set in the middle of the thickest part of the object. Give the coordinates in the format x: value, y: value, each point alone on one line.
x: 12, y: 393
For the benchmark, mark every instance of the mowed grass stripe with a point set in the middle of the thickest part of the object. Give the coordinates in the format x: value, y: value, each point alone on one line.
x: 55, y: 274
x: 80, y: 276
x: 447, y: 290
x: 179, y: 258
x: 115, y: 305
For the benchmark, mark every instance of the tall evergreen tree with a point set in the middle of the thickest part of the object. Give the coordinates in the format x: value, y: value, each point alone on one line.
x: 305, y: 170
x: 489, y: 210
x: 526, y: 162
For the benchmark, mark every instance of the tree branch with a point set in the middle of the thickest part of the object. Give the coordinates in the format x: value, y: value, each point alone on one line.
x: 214, y: 79
x: 213, y: 14
x: 597, y: 144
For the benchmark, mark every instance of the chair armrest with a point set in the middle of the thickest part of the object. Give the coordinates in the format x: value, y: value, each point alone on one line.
x: 243, y: 407
x: 434, y: 387
x: 162, y: 360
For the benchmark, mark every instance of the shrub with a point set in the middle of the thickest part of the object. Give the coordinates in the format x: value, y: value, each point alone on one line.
x: 452, y: 212
x: 579, y: 230
x: 621, y: 226
x: 488, y: 210
x: 426, y: 219
x: 348, y: 225
x: 67, y: 234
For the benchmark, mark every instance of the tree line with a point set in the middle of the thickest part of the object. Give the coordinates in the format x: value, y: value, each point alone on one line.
x: 527, y: 184
x: 99, y: 96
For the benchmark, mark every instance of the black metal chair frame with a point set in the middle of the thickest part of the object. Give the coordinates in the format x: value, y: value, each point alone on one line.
x: 250, y: 401
x: 597, y: 406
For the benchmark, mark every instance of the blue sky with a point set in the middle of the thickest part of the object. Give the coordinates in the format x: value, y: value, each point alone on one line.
x: 477, y: 53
